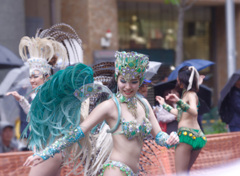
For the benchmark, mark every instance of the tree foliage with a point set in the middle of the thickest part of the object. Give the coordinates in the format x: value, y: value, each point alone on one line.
x: 174, y: 2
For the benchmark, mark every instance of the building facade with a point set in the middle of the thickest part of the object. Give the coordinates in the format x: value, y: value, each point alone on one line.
x: 150, y: 26
x: 147, y: 26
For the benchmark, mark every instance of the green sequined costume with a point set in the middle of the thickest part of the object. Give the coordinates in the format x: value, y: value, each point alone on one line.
x: 123, y: 168
x: 193, y: 137
x: 55, y: 112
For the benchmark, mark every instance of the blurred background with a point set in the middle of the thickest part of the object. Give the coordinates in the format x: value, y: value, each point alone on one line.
x: 146, y: 26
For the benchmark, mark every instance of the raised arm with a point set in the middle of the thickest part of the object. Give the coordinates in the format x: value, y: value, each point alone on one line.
x: 167, y: 107
x: 100, y: 113
x: 191, y: 106
x: 22, y: 101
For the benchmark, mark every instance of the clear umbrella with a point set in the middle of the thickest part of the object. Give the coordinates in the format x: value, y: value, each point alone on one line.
x: 152, y: 70
x: 16, y: 80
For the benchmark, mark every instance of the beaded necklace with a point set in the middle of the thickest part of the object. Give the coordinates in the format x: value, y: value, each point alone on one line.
x: 131, y: 103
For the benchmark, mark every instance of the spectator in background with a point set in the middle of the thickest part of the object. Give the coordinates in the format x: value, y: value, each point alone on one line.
x: 7, y: 142
x: 234, y: 98
x: 143, y: 89
x: 166, y: 120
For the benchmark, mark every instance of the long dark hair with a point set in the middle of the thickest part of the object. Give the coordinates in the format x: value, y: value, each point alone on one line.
x: 184, y: 75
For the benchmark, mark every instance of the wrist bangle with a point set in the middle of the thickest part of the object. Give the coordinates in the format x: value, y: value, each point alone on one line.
x: 167, y: 107
x: 184, y: 106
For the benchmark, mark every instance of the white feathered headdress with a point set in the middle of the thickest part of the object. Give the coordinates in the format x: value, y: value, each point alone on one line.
x: 43, y: 51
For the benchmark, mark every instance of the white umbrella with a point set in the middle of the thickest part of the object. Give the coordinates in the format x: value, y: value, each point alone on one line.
x: 16, y: 80
x: 152, y: 70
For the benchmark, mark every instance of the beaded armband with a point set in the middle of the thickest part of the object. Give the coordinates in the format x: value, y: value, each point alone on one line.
x: 61, y: 144
x: 161, y: 139
x: 167, y: 107
x: 184, y: 106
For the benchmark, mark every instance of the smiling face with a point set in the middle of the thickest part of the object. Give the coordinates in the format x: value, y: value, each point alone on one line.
x: 36, y: 79
x: 128, y: 88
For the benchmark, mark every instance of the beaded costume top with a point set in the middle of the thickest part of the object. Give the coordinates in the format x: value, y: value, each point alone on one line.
x: 132, y: 129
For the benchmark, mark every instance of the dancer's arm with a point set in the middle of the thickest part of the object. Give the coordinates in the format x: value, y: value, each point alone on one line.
x: 22, y: 101
x: 161, y: 138
x: 24, y: 104
x: 190, y: 107
x: 167, y: 107
x: 100, y: 113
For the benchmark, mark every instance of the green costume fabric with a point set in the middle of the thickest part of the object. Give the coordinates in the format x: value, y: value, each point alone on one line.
x: 193, y: 137
x: 125, y: 169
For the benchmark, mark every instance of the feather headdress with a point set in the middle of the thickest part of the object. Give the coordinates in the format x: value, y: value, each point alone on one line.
x: 66, y: 35
x: 44, y: 50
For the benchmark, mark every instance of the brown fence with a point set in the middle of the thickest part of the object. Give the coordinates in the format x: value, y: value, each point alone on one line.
x: 220, y: 149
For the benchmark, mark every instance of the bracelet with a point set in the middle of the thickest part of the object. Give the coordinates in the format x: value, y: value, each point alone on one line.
x: 184, y: 106
x: 62, y: 143
x: 161, y: 139
x: 167, y: 107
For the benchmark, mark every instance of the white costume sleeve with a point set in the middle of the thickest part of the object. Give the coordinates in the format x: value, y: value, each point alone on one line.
x: 24, y: 104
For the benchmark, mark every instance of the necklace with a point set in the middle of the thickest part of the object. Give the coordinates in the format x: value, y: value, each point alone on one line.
x: 131, y: 103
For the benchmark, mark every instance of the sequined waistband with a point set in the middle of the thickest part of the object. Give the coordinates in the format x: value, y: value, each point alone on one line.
x: 196, y: 132
x: 123, y: 167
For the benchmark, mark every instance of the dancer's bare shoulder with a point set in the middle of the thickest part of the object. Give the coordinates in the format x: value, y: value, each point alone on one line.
x: 190, y: 95
x: 109, y: 107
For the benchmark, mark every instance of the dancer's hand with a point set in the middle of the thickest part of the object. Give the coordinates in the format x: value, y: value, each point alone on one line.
x: 33, y: 160
x: 172, y: 97
x: 15, y: 95
x: 173, y: 139
x: 160, y: 100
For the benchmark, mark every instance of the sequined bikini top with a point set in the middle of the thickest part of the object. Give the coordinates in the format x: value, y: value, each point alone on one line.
x: 132, y: 129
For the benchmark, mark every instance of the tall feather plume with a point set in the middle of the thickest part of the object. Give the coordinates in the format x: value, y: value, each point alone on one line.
x: 66, y: 35
x: 45, y: 48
